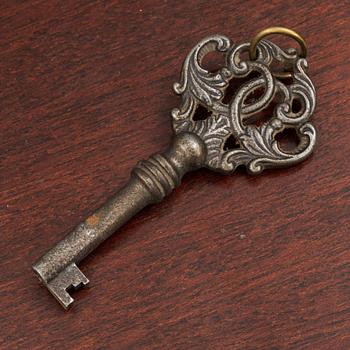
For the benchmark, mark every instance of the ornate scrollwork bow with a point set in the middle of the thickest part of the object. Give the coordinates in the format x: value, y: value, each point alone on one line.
x: 257, y: 147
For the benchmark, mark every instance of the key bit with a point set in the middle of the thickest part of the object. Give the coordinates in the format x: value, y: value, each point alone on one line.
x: 70, y: 277
x: 201, y: 143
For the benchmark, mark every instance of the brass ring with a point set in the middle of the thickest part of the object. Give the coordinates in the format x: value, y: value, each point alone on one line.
x: 277, y: 30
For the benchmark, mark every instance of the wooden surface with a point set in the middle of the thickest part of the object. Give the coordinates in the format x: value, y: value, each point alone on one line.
x: 223, y: 263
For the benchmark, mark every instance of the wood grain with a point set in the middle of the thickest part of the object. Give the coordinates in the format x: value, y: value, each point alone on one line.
x: 234, y: 262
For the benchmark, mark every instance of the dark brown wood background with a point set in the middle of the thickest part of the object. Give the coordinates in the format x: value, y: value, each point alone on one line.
x: 233, y: 262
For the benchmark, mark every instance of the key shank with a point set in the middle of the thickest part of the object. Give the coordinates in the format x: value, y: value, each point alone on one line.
x: 150, y: 182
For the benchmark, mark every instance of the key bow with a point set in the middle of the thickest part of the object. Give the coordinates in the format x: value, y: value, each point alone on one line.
x: 257, y: 147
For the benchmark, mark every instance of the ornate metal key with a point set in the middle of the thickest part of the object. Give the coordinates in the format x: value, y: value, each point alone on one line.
x: 200, y: 143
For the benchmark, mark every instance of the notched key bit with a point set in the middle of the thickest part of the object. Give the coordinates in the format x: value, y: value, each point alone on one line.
x: 200, y: 143
x: 70, y: 277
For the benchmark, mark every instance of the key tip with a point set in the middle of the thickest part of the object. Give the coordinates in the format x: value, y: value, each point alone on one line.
x: 69, y: 278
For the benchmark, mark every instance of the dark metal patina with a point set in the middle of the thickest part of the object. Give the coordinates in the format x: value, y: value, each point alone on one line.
x: 199, y: 143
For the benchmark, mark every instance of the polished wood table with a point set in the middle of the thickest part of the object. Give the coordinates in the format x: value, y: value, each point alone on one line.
x: 225, y: 262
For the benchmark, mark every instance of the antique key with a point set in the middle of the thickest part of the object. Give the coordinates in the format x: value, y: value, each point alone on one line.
x: 201, y: 143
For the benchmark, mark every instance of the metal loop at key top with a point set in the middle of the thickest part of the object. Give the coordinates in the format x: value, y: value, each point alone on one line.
x: 199, y: 143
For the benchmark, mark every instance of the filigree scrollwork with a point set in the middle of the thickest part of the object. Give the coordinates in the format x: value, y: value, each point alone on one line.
x: 258, y: 148
x: 199, y: 86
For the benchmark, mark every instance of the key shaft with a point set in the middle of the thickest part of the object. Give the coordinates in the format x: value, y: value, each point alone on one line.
x: 150, y: 182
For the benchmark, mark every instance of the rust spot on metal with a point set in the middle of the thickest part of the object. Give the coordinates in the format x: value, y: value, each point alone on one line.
x: 93, y: 220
